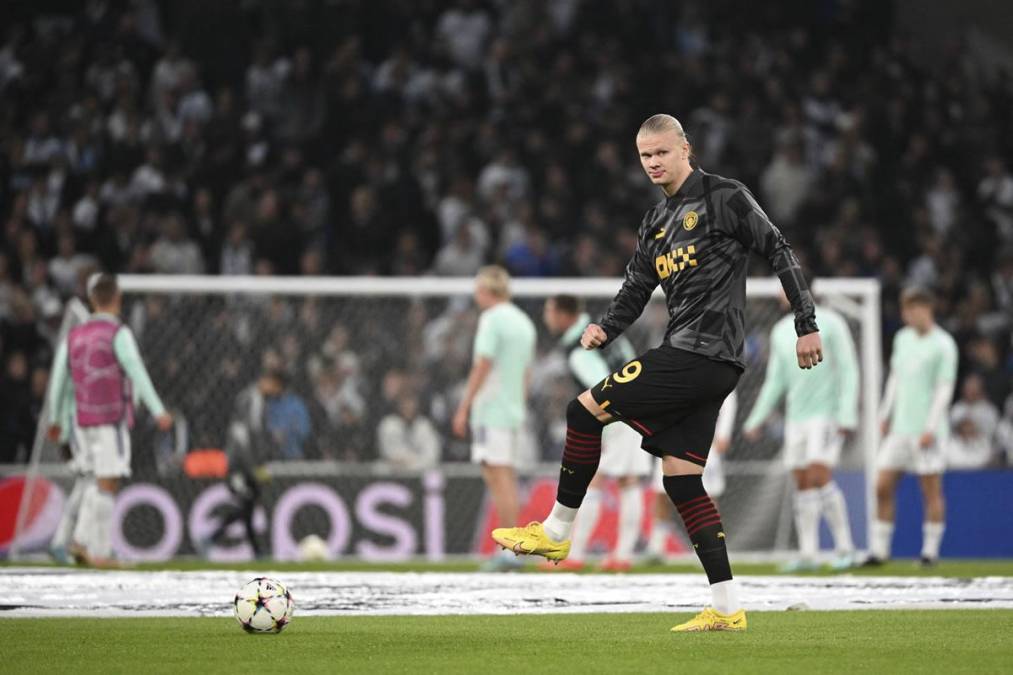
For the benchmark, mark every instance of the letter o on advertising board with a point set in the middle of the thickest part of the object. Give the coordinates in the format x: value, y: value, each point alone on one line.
x: 308, y: 494
x: 146, y: 494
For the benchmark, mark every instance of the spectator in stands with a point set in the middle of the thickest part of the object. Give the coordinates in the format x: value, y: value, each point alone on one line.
x: 17, y: 422
x: 995, y: 193
x: 465, y: 28
x: 407, y: 439
x: 237, y: 252
x: 462, y: 256
x: 974, y: 421
x: 338, y: 411
x: 786, y: 182
x: 286, y: 418
x: 65, y: 268
x: 1004, y: 432
x: 174, y: 252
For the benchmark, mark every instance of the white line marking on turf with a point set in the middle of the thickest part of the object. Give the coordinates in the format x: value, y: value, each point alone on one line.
x: 46, y: 592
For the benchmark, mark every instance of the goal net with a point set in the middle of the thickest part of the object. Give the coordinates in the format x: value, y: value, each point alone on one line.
x: 359, y: 351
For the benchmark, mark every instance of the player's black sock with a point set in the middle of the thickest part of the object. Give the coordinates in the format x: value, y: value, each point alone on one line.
x: 703, y: 524
x: 581, y: 454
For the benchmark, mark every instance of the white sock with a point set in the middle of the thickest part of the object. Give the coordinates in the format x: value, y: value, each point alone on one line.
x: 725, y: 597
x: 102, y: 546
x: 631, y: 513
x: 932, y: 537
x: 85, y: 518
x: 835, y: 510
x: 714, y: 475
x: 661, y: 530
x: 71, y: 509
x: 807, y: 523
x: 583, y: 528
x: 559, y: 523
x: 882, y: 537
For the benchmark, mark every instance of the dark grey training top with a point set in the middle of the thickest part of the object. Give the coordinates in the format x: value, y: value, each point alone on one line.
x: 696, y: 244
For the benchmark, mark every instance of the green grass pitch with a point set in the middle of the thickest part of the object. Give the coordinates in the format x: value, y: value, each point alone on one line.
x: 945, y: 641
x: 936, y: 641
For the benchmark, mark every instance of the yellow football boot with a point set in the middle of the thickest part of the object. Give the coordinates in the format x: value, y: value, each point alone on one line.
x: 711, y: 619
x: 531, y: 540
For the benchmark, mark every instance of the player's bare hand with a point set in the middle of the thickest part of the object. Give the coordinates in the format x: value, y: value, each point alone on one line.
x: 809, y: 350
x: 926, y: 440
x: 53, y: 432
x: 721, y: 445
x: 164, y: 422
x: 460, y: 423
x: 594, y: 336
x: 752, y: 435
x: 845, y: 433
x: 884, y: 427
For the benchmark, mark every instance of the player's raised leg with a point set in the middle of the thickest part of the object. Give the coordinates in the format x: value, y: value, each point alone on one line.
x: 583, y: 528
x: 581, y: 455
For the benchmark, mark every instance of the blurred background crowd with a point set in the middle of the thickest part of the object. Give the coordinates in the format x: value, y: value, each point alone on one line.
x: 411, y: 137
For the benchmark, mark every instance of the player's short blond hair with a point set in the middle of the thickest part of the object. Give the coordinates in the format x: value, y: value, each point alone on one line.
x: 102, y: 289
x: 494, y: 279
x: 660, y: 124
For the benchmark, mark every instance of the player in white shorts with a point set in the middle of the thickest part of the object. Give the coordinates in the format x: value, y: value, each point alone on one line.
x: 821, y: 409
x: 495, y: 398
x: 97, y: 374
x: 914, y: 419
x: 663, y: 524
x: 622, y: 460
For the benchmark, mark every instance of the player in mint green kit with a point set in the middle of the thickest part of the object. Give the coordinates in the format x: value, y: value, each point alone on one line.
x: 821, y: 409
x: 97, y: 375
x: 494, y: 404
x: 914, y: 418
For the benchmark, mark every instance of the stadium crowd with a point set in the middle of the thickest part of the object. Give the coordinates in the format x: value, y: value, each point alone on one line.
x: 425, y: 137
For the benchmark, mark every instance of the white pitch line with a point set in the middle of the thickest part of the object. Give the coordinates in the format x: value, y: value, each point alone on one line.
x: 38, y: 592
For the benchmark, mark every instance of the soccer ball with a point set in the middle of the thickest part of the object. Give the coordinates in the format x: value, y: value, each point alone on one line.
x: 313, y: 549
x: 263, y: 606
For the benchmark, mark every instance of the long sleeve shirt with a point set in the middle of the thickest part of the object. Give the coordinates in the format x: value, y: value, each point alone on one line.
x: 829, y: 392
x: 696, y: 244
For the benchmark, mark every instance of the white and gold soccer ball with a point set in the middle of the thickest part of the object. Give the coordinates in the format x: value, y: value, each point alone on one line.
x: 263, y: 606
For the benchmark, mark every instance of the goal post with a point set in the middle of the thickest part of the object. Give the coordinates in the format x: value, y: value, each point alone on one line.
x: 349, y: 344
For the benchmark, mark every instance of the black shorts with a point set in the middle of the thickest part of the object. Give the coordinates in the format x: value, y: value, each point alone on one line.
x: 672, y: 398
